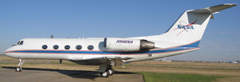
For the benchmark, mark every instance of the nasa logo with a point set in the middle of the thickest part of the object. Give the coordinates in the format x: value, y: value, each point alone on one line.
x: 183, y: 25
x: 124, y: 41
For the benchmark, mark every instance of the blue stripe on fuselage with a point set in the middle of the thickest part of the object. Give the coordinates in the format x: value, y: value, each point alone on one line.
x: 184, y: 47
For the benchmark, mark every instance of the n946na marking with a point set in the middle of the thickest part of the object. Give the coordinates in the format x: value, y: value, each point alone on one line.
x: 124, y: 41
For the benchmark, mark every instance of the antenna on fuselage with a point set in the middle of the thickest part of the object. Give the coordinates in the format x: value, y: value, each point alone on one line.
x: 51, y: 36
x: 60, y: 61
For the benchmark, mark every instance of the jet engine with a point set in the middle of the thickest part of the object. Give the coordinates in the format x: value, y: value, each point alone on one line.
x: 123, y: 44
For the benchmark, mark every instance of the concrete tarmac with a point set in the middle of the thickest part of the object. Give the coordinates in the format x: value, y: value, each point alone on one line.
x: 8, y: 74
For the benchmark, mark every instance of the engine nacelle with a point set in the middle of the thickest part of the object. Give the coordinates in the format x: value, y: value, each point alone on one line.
x: 123, y: 44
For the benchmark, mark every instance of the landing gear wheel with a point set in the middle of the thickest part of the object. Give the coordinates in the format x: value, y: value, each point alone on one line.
x: 111, y: 71
x: 19, y: 69
x: 104, y: 74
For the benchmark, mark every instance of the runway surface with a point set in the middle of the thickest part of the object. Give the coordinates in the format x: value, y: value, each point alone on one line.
x: 8, y: 74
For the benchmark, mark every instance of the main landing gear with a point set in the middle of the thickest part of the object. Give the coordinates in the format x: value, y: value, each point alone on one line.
x: 106, y: 70
x: 19, y: 68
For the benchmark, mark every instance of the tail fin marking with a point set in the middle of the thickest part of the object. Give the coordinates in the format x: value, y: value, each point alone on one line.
x: 191, y: 25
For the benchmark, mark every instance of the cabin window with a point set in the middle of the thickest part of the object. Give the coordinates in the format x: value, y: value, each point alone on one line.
x: 90, y: 47
x: 44, y: 47
x: 78, y: 47
x: 67, y: 47
x: 55, y: 47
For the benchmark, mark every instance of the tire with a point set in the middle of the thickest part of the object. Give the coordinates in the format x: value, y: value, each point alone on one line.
x: 104, y: 74
x: 111, y: 71
x: 18, y: 69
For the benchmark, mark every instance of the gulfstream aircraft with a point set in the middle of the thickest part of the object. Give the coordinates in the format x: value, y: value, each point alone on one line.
x: 183, y: 36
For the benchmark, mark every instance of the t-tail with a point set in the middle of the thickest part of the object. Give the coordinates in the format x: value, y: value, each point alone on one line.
x: 190, y: 27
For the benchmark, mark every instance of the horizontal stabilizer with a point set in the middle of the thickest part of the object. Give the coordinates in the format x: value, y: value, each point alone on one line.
x: 213, y: 9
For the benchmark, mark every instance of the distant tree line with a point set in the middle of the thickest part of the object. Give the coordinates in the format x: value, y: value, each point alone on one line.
x: 238, y: 61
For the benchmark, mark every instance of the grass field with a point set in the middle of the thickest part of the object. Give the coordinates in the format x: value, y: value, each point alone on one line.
x: 153, y: 71
x: 174, y: 77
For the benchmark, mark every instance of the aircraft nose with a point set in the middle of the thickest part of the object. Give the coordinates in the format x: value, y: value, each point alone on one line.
x: 7, y: 52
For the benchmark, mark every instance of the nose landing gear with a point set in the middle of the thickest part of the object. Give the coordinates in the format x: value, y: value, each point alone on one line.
x: 19, y: 68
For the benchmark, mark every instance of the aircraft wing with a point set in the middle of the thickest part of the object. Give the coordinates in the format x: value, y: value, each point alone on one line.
x: 98, y: 60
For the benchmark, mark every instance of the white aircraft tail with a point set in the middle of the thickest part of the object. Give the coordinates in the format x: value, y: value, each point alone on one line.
x: 189, y: 28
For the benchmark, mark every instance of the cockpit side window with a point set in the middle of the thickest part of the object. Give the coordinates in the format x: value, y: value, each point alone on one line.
x: 21, y: 43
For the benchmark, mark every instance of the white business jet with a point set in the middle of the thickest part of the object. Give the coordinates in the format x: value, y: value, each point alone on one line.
x: 184, y: 36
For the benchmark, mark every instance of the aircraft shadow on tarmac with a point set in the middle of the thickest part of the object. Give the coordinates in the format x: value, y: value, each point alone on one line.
x: 73, y: 73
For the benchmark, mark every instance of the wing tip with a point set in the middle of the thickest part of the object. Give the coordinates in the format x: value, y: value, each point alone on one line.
x: 230, y: 4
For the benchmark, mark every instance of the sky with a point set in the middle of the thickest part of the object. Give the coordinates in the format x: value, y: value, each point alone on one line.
x: 119, y: 18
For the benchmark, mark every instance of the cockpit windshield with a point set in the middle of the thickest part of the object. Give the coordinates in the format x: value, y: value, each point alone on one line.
x: 20, y: 43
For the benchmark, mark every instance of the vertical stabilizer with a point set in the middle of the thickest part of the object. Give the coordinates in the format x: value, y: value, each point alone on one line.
x: 191, y: 25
